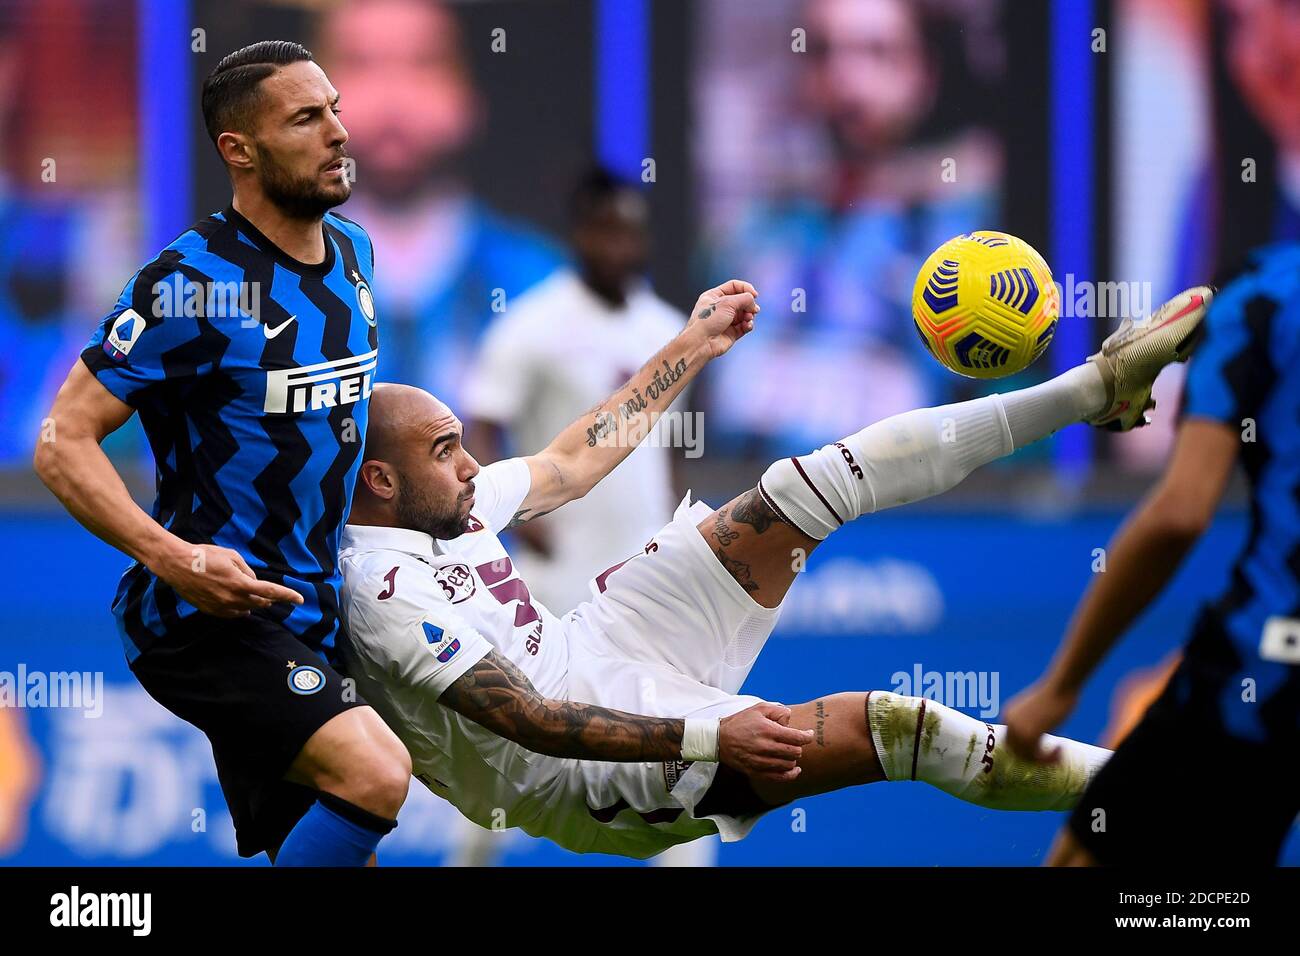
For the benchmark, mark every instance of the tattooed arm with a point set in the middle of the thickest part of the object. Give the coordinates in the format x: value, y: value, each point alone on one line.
x: 497, y: 694
x: 594, y: 445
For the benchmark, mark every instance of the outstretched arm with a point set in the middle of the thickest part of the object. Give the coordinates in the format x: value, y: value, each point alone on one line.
x: 71, y: 463
x: 497, y: 694
x: 1145, y: 553
x: 595, y: 444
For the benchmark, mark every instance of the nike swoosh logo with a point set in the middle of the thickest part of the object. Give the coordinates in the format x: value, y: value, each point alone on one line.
x: 1119, y: 410
x: 272, y: 331
x: 1195, y: 303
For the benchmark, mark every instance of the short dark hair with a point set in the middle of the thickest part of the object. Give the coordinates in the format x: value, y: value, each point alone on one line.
x: 230, y: 90
x: 596, y: 187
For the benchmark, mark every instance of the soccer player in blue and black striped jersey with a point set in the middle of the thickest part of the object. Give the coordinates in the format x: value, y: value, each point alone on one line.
x: 1208, y: 775
x: 247, y: 347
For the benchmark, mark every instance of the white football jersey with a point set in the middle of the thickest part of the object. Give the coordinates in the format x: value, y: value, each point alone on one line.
x: 667, y: 633
x: 419, y: 612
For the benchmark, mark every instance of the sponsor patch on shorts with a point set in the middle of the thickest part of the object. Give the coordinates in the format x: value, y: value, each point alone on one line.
x: 673, y: 771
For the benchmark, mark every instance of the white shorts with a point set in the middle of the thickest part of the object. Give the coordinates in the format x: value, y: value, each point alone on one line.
x: 669, y: 633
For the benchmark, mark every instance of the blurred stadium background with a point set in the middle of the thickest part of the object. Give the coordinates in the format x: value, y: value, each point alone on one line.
x: 807, y: 170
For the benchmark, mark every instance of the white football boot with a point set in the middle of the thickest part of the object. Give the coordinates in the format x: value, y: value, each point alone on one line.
x: 1132, y: 356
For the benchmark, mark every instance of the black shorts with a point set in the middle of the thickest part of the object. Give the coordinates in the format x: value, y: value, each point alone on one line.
x: 258, y: 693
x: 1180, y: 789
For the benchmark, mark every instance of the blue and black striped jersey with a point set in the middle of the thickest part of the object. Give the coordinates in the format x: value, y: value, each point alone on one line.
x: 1246, y: 375
x: 251, y: 374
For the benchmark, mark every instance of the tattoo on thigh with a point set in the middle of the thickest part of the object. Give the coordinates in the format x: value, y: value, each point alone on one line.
x: 723, y: 532
x: 752, y: 510
x: 738, y: 570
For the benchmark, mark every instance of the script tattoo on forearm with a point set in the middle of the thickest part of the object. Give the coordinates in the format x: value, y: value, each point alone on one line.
x: 661, y: 379
x: 498, y: 695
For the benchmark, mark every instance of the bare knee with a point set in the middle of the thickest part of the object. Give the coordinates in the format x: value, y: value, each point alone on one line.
x: 376, y: 784
x: 356, y: 757
x: 380, y: 782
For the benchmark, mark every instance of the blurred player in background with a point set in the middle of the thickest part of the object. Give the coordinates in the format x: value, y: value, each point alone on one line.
x: 414, y: 111
x: 560, y: 349
x: 1222, y: 741
x: 248, y: 348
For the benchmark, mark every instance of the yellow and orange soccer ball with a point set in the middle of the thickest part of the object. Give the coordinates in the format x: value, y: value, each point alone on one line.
x: 985, y: 304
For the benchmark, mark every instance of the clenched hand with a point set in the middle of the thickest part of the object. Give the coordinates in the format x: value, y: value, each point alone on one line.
x: 757, y: 742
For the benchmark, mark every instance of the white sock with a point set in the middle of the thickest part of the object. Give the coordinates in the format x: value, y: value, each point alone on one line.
x: 924, y: 452
x: 1038, y: 411
x: 919, y: 739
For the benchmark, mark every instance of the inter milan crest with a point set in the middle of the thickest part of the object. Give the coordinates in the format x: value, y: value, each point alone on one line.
x: 365, y: 300
x: 304, y: 679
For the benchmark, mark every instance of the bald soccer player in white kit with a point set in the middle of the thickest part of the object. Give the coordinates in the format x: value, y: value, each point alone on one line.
x: 602, y: 730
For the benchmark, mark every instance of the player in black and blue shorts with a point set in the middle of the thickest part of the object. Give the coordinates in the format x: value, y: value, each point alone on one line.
x: 1209, y: 774
x: 248, y: 348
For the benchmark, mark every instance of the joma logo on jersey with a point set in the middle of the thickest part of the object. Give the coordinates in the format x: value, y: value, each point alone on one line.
x: 325, y: 385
